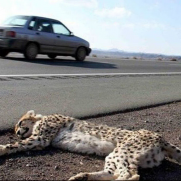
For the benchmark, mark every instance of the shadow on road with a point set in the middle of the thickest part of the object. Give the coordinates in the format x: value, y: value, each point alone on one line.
x: 166, y: 171
x: 67, y: 62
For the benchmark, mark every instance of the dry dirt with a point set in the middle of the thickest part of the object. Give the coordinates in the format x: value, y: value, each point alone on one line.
x: 54, y: 164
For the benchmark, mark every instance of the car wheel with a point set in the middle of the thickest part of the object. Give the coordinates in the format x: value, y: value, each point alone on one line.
x: 80, y: 54
x: 52, y: 56
x: 31, y: 51
x: 3, y: 53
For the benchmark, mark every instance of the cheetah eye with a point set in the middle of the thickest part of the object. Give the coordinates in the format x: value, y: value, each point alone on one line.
x: 20, y: 123
x: 26, y: 130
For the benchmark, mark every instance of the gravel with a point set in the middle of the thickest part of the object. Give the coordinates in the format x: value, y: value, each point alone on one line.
x: 54, y: 164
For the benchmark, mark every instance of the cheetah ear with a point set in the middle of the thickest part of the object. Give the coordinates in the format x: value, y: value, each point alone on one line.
x: 31, y: 113
x: 38, y: 116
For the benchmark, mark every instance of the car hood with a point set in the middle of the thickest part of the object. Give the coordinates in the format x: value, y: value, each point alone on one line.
x: 81, y: 40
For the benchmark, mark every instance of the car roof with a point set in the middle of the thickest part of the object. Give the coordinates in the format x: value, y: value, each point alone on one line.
x: 32, y: 16
x: 45, y: 18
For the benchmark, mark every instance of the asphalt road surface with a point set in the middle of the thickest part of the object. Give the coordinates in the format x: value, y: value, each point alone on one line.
x: 16, y: 64
x: 81, y: 95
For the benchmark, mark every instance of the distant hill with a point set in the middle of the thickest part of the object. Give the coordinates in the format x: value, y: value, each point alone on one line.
x: 136, y: 55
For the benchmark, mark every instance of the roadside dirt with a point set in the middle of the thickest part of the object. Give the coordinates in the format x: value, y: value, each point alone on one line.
x: 54, y: 164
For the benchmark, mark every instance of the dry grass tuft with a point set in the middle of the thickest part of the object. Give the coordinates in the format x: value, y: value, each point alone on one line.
x: 173, y: 59
x: 160, y: 59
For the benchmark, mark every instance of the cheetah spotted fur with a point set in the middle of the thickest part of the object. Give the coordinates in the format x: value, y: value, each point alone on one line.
x: 125, y: 150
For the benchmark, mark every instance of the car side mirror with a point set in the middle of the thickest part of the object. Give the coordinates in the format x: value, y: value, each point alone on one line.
x: 71, y: 34
x: 30, y: 28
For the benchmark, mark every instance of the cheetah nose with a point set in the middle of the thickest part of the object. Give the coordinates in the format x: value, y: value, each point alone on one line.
x: 18, y: 133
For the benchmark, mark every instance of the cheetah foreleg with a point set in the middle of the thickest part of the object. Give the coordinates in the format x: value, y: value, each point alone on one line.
x: 24, y: 145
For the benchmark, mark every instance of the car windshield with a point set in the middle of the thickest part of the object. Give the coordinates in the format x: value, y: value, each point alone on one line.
x: 16, y: 21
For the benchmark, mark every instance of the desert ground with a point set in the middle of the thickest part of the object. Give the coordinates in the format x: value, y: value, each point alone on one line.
x: 54, y: 164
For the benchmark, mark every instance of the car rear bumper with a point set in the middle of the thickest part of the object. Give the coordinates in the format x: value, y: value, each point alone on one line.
x: 12, y: 44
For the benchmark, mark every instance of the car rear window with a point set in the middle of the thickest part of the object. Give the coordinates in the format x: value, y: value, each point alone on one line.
x: 16, y: 21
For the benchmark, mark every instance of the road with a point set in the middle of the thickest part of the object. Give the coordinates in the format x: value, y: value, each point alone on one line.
x: 83, y: 95
x: 16, y: 64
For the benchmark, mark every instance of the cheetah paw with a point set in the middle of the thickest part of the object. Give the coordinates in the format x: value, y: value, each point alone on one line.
x: 3, y: 150
x: 80, y: 176
x: 135, y: 177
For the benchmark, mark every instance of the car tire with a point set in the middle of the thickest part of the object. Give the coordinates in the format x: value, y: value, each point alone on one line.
x: 31, y: 51
x: 3, y: 53
x: 80, y: 54
x: 52, y: 56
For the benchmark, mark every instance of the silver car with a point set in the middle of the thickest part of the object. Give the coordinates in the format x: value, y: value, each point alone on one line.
x: 33, y: 35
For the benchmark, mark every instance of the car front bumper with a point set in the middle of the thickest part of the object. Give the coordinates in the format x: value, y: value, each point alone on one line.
x: 89, y: 51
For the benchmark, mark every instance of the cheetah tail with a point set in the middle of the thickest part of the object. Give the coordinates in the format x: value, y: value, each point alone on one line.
x: 172, y: 151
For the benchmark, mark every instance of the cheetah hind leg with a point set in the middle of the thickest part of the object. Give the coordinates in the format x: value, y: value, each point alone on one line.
x: 135, y: 177
x: 106, y: 174
x: 102, y: 175
x: 128, y: 174
x: 112, y: 170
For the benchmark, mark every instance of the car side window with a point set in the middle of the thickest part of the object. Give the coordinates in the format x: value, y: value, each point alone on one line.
x: 32, y: 24
x: 43, y: 25
x: 60, y: 28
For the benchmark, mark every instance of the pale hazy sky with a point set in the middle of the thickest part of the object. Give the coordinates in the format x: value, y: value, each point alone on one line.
x: 151, y: 26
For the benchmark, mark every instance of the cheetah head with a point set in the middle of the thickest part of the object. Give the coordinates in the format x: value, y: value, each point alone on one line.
x: 25, y: 125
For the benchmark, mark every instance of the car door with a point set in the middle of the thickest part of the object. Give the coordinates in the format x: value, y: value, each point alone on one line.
x: 65, y: 42
x: 44, y: 35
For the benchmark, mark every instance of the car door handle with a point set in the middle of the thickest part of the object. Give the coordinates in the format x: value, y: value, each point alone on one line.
x: 37, y: 33
x: 58, y: 36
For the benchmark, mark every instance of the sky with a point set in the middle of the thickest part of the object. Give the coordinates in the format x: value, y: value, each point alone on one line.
x: 149, y: 26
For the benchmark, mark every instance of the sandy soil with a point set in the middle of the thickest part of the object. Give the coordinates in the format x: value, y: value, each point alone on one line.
x: 54, y: 164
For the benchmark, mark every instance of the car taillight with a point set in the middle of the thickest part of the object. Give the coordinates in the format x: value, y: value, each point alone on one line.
x: 11, y: 34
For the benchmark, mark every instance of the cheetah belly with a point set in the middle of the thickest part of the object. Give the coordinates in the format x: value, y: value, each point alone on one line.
x: 76, y: 141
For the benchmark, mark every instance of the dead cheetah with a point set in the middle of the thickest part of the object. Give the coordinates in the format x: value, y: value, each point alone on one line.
x: 125, y: 150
